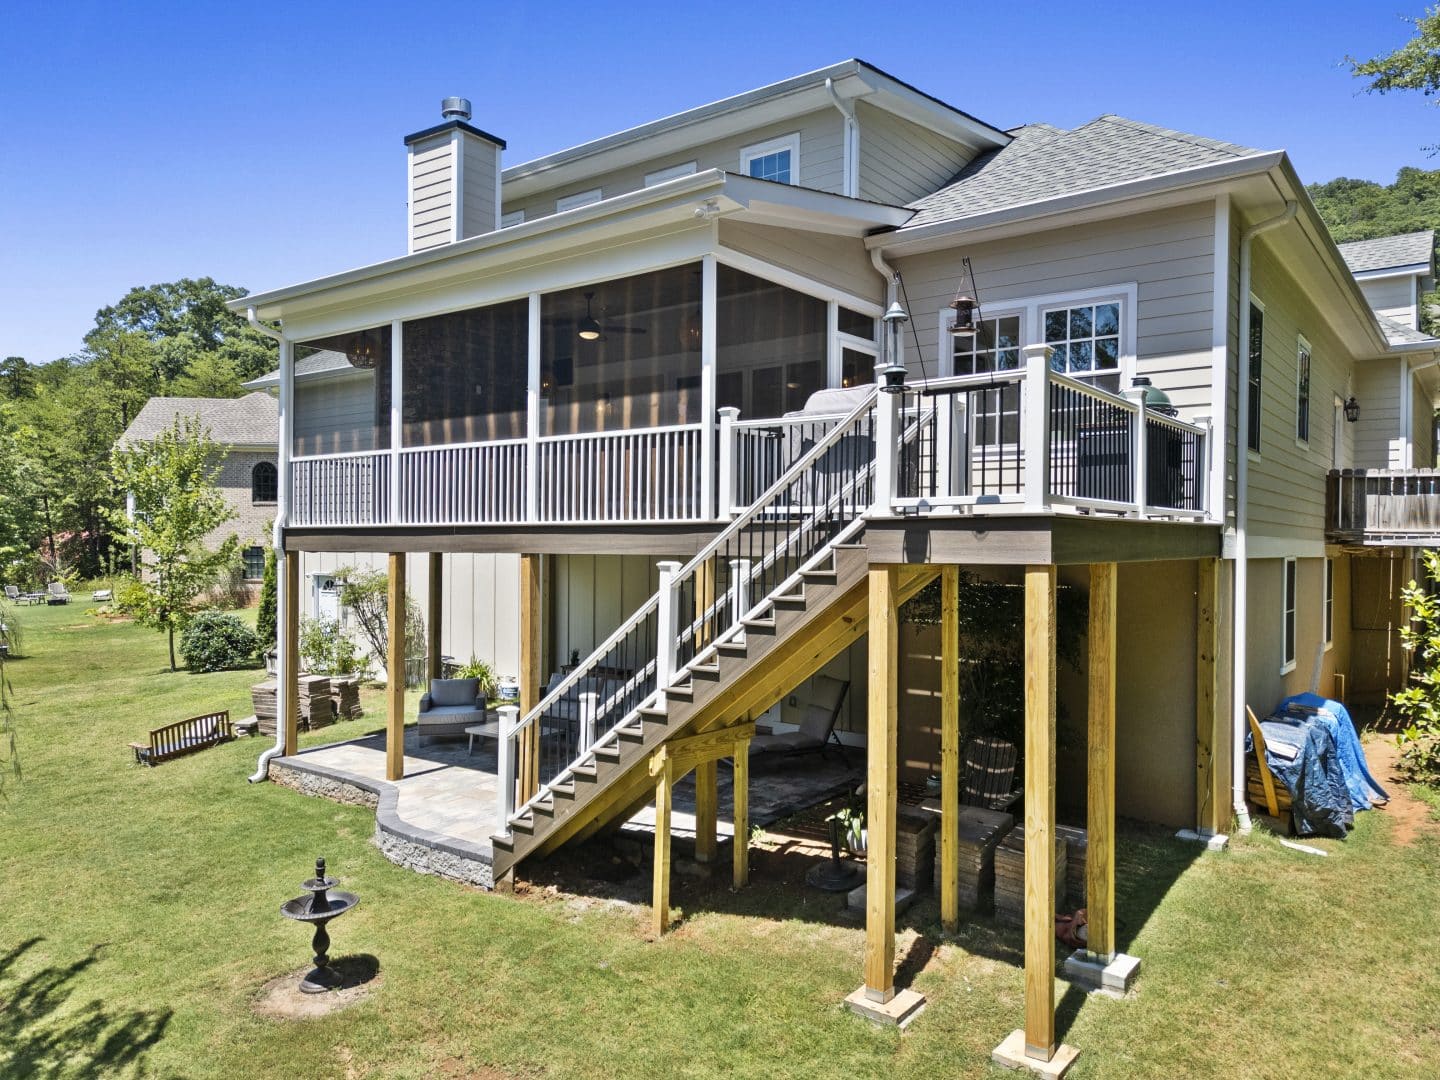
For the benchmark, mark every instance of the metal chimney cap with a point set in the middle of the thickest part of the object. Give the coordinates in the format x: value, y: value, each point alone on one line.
x: 455, y: 108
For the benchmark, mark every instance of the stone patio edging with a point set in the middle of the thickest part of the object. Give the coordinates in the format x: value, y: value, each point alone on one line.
x: 407, y: 845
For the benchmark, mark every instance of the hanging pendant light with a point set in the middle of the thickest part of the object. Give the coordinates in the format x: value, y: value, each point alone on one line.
x: 966, y: 305
x: 589, y: 327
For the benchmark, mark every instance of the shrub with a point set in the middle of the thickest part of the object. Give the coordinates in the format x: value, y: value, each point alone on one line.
x: 265, y: 620
x: 479, y: 669
x: 215, y: 641
x: 1419, y: 702
x: 326, y: 650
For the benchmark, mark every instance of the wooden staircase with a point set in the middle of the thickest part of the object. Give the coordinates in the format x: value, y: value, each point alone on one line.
x: 785, y: 642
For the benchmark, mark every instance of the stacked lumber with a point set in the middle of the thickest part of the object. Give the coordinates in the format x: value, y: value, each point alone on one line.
x: 345, y: 696
x: 1010, y: 876
x: 262, y: 696
x: 316, y: 708
x: 1077, y: 844
x: 980, y: 831
x: 914, y: 849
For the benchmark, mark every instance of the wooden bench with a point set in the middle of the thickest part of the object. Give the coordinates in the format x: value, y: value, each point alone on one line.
x: 184, y: 737
x: 1260, y: 783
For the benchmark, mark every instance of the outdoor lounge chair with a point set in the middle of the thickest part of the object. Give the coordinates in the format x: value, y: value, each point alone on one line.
x: 12, y: 594
x: 989, y: 780
x: 56, y: 593
x: 184, y: 737
x: 817, y: 726
x: 450, y: 706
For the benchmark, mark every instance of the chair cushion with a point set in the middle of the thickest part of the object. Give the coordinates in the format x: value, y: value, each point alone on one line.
x: 454, y: 691
x: 785, y: 742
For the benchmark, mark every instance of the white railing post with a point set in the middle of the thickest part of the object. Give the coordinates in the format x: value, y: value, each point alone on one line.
x: 1035, y: 426
x: 1202, y: 465
x: 959, y: 457
x: 505, y: 764
x: 726, y: 493
x: 588, y: 711
x: 667, y: 624
x: 1136, y: 396
x: 944, y: 448
x: 740, y: 592
x: 887, y: 451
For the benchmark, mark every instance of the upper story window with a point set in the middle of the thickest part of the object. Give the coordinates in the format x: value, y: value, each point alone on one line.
x: 1302, y: 391
x: 778, y: 160
x: 659, y: 176
x: 264, y: 483
x: 580, y: 198
x: 514, y: 217
x: 1086, y: 340
x: 1257, y: 352
x: 854, y: 323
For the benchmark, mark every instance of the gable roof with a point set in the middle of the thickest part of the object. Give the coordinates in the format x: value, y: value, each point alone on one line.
x: 251, y: 420
x: 1399, y: 333
x: 1389, y: 252
x: 1045, y: 162
x: 319, y: 362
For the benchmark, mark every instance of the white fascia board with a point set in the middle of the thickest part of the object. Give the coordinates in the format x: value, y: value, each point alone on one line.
x: 1413, y: 270
x: 806, y: 208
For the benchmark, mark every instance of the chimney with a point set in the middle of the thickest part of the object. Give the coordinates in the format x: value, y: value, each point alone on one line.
x: 454, y: 179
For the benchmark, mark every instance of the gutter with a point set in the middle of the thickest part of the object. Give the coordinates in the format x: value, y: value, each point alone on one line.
x: 286, y: 427
x: 1242, y: 494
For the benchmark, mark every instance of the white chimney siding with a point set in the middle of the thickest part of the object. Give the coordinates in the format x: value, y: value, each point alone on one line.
x: 454, y: 184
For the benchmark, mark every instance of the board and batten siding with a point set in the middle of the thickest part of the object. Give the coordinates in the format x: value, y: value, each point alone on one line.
x: 1167, y: 254
x: 1287, y: 477
x: 901, y: 161
x: 335, y: 416
x: 838, y: 261
x: 822, y: 162
x: 432, y: 193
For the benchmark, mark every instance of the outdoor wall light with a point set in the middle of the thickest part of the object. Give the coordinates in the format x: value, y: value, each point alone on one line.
x: 1352, y: 410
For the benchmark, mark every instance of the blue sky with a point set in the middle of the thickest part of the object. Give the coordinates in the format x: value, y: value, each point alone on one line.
x: 261, y: 143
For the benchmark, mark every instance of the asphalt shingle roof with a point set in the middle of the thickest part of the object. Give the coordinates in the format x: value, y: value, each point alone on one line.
x: 316, y: 363
x: 251, y: 420
x: 1045, y: 162
x: 1384, y: 252
x: 1399, y: 333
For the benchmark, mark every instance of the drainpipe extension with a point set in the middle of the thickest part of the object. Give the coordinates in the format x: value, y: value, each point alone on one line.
x: 282, y: 514
x: 892, y: 294
x: 851, y: 186
x: 1242, y: 494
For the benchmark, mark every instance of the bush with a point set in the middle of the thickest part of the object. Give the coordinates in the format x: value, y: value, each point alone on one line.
x: 265, y: 620
x: 1419, y: 703
x: 479, y: 669
x: 326, y: 650
x: 215, y: 641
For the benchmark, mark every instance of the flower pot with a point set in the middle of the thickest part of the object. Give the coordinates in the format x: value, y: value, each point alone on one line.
x: 856, y: 840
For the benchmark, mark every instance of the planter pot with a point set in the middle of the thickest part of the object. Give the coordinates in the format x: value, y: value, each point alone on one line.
x: 856, y: 841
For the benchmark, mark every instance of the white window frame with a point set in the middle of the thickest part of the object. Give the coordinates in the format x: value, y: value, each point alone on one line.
x: 789, y: 142
x: 1302, y: 348
x: 1327, y: 604
x: 672, y: 172
x: 1257, y: 415
x: 1288, y: 613
x: 514, y: 217
x: 577, y: 200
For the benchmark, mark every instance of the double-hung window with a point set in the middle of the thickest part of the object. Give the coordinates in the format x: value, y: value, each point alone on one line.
x: 1302, y: 391
x: 1287, y: 640
x: 995, y: 347
x: 1086, y: 342
x: 1257, y: 352
x: 777, y: 159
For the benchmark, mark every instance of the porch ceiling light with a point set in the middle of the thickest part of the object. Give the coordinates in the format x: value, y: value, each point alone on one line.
x: 588, y: 328
x: 1352, y: 410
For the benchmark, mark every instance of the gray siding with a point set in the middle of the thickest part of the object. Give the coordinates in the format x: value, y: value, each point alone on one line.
x: 1422, y: 426
x: 901, y: 161
x: 481, y: 162
x: 1377, y: 432
x: 1395, y: 297
x: 835, y: 260
x: 337, y: 414
x: 432, y: 193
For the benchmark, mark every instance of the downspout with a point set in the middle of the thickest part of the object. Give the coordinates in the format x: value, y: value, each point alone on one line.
x: 892, y: 294
x: 851, y: 185
x: 1409, y: 417
x: 1242, y: 496
x: 282, y: 515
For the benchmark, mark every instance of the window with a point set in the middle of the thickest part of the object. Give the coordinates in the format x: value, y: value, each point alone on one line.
x: 514, y: 217
x: 254, y: 563
x: 854, y: 323
x: 1257, y: 351
x: 1086, y: 340
x: 1302, y: 391
x: 659, y: 176
x: 1287, y: 657
x: 771, y: 345
x: 580, y: 198
x: 777, y: 160
x: 995, y: 347
x: 264, y: 482
x: 1329, y: 602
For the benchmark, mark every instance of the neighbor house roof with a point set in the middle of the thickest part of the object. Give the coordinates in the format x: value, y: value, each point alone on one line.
x: 1389, y: 252
x: 1399, y: 333
x: 1045, y: 162
x: 321, y: 362
x: 245, y: 421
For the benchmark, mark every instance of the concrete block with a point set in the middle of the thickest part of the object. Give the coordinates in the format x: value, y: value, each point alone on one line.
x: 1010, y: 1054
x: 897, y: 1012
x: 1115, y: 977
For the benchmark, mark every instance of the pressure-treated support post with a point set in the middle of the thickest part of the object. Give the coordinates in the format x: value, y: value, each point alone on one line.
x: 741, y: 782
x: 290, y: 664
x: 531, y: 620
x: 1100, y: 785
x: 1212, y: 792
x: 660, y: 888
x: 706, y: 815
x: 395, y: 671
x: 436, y: 602
x: 950, y: 748
x: 1040, y: 812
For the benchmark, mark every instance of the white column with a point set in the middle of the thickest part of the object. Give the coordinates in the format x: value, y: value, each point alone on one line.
x: 725, y: 497
x: 887, y: 451
x: 286, y: 423
x: 1136, y: 396
x: 397, y: 413
x: 505, y: 765
x: 833, y: 363
x: 667, y: 625
x: 532, y: 413
x: 707, y: 385
x: 1035, y: 426
x: 740, y: 589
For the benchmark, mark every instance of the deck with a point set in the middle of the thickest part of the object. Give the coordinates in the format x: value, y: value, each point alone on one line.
x: 1383, y: 507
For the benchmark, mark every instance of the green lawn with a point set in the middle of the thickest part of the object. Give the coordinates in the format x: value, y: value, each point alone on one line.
x: 138, y: 919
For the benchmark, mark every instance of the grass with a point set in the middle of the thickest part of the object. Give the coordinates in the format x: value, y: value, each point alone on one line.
x: 138, y: 920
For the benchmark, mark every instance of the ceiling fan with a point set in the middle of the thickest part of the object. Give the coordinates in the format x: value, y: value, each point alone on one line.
x: 589, y: 327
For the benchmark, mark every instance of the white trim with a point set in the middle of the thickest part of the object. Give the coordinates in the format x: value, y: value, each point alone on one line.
x: 1302, y: 347
x: 514, y: 217
x: 1289, y: 616
x: 1327, y: 602
x: 670, y: 172
x: 533, y: 345
x: 833, y: 368
x: 738, y: 260
x: 1337, y: 446
x: 1408, y: 270
x: 790, y: 142
x: 1258, y: 416
x: 410, y: 199
x: 1220, y: 363
x: 397, y: 414
x: 457, y: 187
x: 708, y: 394
x: 578, y: 199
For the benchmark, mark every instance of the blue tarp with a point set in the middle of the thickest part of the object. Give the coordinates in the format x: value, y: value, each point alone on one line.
x: 1363, y: 788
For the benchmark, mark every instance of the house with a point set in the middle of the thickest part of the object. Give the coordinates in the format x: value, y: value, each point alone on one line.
x: 733, y: 385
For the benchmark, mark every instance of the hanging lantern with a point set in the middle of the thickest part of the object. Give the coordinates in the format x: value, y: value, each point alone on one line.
x: 966, y: 305
x: 361, y: 350
x: 1352, y: 410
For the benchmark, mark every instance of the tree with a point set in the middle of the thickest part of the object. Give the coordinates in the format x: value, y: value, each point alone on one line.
x: 177, y: 505
x: 17, y: 379
x: 1413, y: 66
x: 366, y: 594
x: 265, y: 618
x: 1419, y: 701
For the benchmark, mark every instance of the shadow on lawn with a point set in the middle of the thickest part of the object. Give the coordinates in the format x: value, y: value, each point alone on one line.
x: 42, y: 1036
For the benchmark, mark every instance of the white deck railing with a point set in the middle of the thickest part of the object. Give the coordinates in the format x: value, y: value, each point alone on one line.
x: 640, y: 475
x: 467, y: 484
x: 341, y: 489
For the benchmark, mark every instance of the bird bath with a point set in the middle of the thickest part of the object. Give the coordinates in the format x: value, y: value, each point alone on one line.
x: 323, y: 904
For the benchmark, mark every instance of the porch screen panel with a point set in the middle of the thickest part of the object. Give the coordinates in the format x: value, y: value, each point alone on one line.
x: 643, y: 368
x: 770, y: 345
x: 465, y: 376
x: 342, y: 393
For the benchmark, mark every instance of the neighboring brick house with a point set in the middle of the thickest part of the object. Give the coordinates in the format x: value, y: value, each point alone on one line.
x: 246, y: 427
